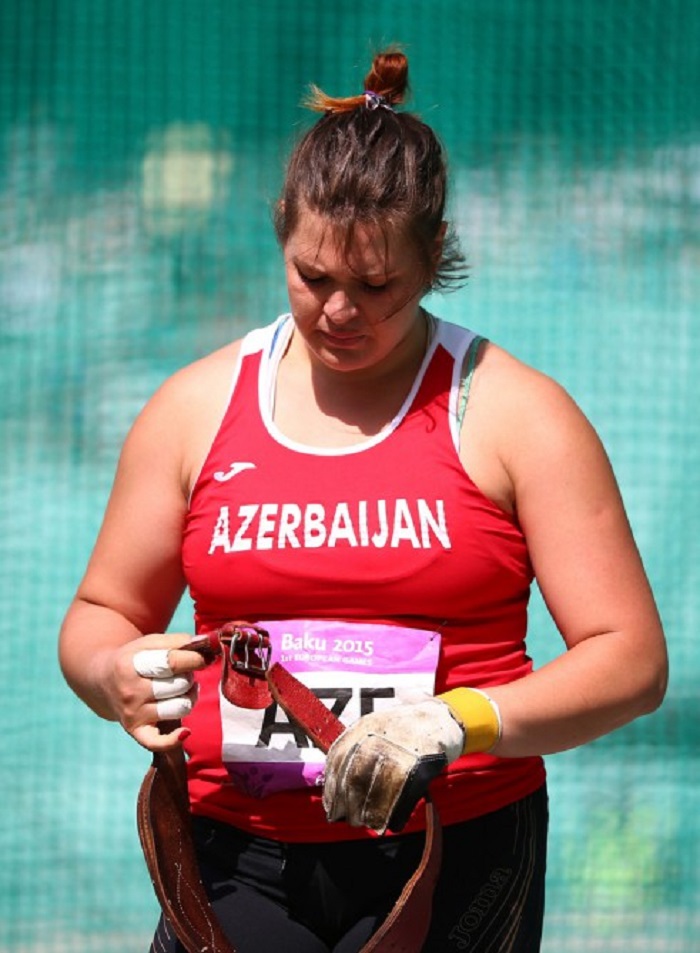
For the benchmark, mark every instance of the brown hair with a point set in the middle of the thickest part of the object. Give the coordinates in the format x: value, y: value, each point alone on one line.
x: 365, y: 163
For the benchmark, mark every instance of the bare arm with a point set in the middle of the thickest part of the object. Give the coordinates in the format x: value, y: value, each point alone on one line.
x: 134, y: 580
x: 562, y: 488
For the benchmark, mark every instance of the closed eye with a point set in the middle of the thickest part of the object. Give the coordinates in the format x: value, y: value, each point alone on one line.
x: 310, y: 279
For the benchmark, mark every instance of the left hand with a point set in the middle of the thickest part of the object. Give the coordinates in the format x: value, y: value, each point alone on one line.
x: 149, y: 682
x: 381, y: 766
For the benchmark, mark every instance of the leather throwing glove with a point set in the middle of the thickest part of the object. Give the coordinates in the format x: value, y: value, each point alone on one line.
x: 380, y: 767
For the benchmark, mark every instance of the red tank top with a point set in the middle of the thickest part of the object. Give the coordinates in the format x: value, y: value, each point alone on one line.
x: 389, y: 531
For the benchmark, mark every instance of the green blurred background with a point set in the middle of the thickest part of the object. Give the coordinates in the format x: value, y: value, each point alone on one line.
x: 141, y: 149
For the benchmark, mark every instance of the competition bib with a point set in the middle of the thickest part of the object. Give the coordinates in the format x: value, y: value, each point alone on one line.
x: 353, y: 668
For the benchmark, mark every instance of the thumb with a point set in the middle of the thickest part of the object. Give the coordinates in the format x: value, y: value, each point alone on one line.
x: 153, y: 739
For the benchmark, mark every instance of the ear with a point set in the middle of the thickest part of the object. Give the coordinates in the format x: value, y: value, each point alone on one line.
x: 436, y: 253
x: 439, y: 244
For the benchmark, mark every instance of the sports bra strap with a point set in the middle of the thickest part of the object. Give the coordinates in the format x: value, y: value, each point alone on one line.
x: 470, y: 364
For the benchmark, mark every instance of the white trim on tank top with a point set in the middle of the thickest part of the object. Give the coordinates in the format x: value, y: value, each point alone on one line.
x: 453, y: 338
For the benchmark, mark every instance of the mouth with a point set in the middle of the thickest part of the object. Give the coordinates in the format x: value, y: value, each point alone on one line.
x: 342, y: 339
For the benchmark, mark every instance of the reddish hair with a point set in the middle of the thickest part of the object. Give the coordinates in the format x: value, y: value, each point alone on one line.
x: 364, y: 163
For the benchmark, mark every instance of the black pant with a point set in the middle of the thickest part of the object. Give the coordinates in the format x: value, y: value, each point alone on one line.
x: 330, y: 898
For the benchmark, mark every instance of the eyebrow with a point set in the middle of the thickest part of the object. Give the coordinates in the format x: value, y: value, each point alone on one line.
x: 299, y: 261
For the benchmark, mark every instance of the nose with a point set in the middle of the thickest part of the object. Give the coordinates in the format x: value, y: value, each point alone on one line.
x: 340, y: 307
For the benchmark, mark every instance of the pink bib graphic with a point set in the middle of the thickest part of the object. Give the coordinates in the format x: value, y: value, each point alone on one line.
x: 354, y: 668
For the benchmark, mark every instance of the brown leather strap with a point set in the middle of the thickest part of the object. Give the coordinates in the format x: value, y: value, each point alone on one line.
x: 319, y: 722
x: 406, y: 927
x: 163, y: 820
x: 164, y: 829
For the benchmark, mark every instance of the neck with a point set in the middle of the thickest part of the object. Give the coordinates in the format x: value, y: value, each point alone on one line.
x: 312, y: 398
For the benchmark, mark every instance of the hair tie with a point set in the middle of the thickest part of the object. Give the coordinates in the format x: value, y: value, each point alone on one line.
x: 374, y: 100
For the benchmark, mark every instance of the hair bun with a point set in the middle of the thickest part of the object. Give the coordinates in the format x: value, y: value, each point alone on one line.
x: 388, y: 76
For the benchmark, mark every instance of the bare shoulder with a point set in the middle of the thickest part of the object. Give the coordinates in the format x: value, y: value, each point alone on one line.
x: 523, y: 394
x: 522, y: 426
x: 202, y: 381
x: 182, y: 416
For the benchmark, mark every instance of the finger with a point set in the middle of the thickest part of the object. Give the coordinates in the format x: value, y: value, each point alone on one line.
x: 150, y: 737
x: 365, y: 784
x: 332, y: 796
x: 153, y: 663
x: 370, y: 790
x: 171, y: 687
x: 182, y: 661
x: 172, y: 709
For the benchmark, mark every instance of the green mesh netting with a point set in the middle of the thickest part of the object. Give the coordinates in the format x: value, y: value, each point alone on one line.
x: 141, y: 144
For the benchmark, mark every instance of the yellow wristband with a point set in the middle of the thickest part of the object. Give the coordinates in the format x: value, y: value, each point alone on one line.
x: 479, y: 715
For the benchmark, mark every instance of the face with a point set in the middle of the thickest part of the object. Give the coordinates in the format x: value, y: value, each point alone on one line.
x: 358, y: 308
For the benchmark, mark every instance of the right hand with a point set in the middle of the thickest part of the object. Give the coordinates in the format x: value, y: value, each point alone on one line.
x: 149, y: 707
x: 381, y: 766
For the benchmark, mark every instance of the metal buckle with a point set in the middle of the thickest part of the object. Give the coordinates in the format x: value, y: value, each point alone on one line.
x: 250, y: 651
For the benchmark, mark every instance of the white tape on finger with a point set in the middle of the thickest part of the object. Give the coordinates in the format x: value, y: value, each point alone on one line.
x: 152, y: 663
x: 171, y: 687
x: 170, y: 709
